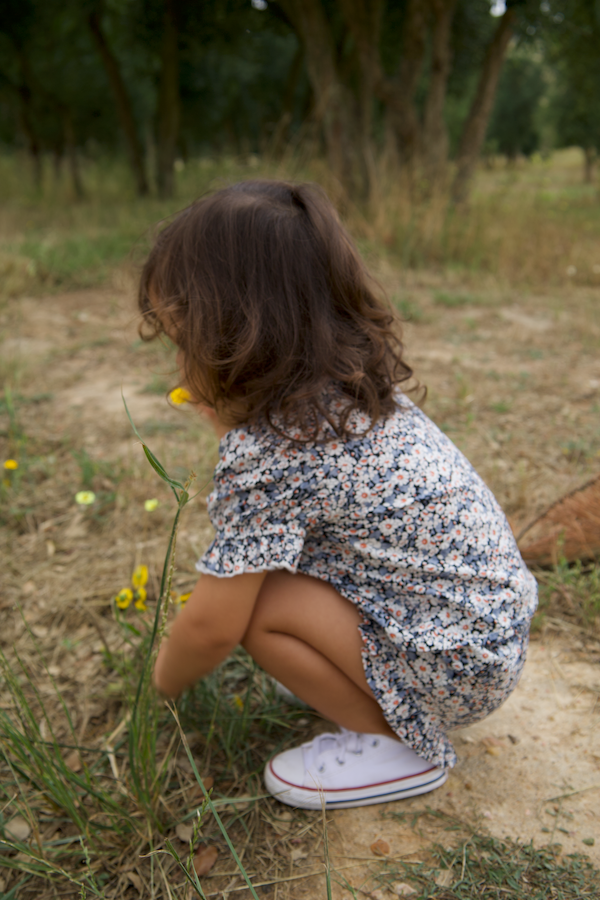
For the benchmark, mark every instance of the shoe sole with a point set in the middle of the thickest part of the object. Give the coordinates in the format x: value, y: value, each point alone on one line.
x: 314, y: 798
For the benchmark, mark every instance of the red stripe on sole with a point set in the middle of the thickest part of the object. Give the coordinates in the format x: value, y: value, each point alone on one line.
x: 355, y: 788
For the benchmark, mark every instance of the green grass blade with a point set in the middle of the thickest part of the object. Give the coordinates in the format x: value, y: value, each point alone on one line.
x: 211, y: 805
x: 190, y: 878
x: 154, y: 462
x: 160, y: 471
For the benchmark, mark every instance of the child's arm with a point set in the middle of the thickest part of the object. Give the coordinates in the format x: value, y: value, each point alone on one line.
x: 213, y: 622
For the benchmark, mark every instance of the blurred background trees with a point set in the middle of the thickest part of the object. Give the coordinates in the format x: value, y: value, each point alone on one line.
x: 418, y: 88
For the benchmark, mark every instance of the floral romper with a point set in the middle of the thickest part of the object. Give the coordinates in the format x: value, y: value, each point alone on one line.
x: 399, y: 523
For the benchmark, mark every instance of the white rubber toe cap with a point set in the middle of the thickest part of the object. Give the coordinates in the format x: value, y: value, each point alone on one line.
x: 288, y: 767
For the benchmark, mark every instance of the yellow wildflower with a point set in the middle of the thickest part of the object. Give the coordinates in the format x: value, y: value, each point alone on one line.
x: 84, y: 498
x: 238, y: 702
x: 137, y: 592
x: 140, y: 577
x: 11, y: 464
x: 124, y: 598
x: 183, y: 599
x: 150, y: 505
x: 180, y: 395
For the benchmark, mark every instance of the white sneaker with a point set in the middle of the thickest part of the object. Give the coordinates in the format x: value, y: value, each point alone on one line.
x: 349, y: 769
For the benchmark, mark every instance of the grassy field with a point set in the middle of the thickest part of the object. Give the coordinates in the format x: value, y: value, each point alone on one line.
x: 501, y: 303
x: 534, y: 223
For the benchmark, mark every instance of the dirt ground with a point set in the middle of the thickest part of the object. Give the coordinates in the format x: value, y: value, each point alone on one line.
x: 514, y: 378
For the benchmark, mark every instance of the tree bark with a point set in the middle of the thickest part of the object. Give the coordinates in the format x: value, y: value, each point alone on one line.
x: 479, y: 115
x: 333, y: 101
x: 364, y: 18
x: 26, y: 114
x: 33, y: 143
x: 168, y: 110
x: 435, y: 134
x: 398, y: 93
x: 589, y: 164
x: 71, y: 151
x: 29, y: 87
x: 123, y: 104
x: 282, y: 129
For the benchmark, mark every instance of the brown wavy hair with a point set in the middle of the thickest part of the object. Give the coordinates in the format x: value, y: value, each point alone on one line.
x: 265, y: 294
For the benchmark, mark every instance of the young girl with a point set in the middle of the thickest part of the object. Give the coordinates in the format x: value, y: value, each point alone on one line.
x: 357, y: 557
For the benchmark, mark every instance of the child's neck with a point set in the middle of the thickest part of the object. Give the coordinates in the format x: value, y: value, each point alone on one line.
x: 219, y: 425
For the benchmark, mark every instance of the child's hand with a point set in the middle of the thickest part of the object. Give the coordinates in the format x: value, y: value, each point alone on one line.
x: 214, y: 620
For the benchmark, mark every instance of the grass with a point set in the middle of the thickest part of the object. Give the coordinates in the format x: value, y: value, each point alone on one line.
x: 537, y: 225
x: 117, y: 798
x: 60, y: 772
x: 480, y: 867
x: 452, y: 300
x: 501, y: 407
x: 408, y: 309
x: 570, y: 592
x: 100, y: 808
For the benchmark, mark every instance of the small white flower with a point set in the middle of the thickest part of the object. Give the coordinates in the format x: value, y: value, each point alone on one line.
x: 84, y: 498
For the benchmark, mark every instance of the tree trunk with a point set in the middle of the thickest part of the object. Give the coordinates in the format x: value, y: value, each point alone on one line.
x: 24, y: 93
x: 57, y: 160
x: 33, y: 144
x: 435, y: 134
x: 589, y: 164
x: 282, y: 129
x: 71, y: 151
x: 123, y: 104
x: 363, y: 18
x: 398, y: 93
x: 333, y: 100
x: 481, y: 109
x: 168, y: 110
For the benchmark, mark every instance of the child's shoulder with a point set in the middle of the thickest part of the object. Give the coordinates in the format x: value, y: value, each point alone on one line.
x: 406, y: 426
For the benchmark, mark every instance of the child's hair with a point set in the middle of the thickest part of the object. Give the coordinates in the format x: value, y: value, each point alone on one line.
x: 265, y: 294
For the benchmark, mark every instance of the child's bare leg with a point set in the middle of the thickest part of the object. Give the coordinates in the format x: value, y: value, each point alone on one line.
x: 306, y: 635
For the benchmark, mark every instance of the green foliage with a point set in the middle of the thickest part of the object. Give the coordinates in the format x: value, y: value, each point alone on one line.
x: 77, y: 259
x: 574, y: 51
x: 452, y: 300
x: 514, y: 128
x: 472, y: 28
x: 569, y: 591
x: 409, y: 310
x: 157, y: 385
x: 238, y: 80
x: 90, y: 468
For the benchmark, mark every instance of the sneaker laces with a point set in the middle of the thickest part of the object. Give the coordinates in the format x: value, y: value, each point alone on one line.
x: 339, y: 744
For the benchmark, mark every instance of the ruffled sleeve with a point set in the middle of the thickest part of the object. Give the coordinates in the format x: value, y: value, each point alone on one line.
x: 257, y: 506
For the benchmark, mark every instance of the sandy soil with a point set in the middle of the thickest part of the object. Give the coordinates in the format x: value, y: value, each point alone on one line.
x: 513, y: 378
x: 530, y: 771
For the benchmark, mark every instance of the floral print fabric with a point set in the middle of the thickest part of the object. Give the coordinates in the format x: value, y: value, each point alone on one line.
x: 399, y: 523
